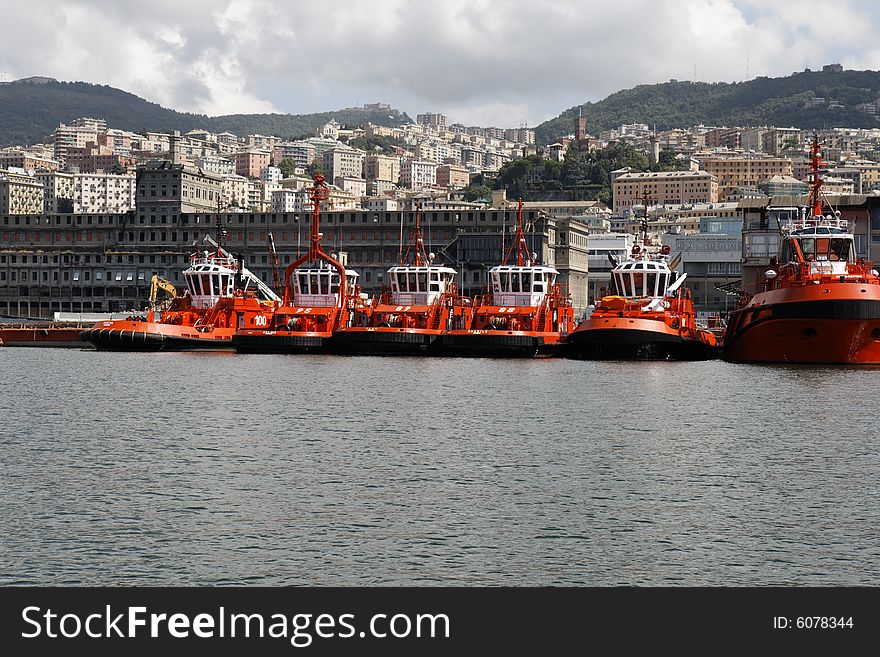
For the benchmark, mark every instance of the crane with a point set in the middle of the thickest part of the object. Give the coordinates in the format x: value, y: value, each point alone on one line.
x: 277, y: 282
x: 157, y: 284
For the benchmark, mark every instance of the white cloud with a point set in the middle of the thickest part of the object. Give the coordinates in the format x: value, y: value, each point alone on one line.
x: 498, y: 62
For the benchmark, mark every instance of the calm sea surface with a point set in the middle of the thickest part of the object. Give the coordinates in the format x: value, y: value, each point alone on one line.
x: 202, y: 469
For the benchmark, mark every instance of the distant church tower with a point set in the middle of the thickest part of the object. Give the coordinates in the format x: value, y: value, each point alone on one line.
x: 581, y: 129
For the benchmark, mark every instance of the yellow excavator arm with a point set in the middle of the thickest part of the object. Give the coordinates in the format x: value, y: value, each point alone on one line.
x: 157, y: 284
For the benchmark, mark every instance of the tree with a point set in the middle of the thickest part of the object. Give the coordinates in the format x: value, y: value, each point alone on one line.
x: 288, y: 167
x: 476, y: 192
x: 668, y: 161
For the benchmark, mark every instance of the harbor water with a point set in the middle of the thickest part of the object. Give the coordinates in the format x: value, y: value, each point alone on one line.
x: 221, y: 469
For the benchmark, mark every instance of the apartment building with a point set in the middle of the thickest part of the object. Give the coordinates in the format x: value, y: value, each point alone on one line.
x: 27, y: 161
x: 234, y: 191
x: 416, y: 174
x: 20, y: 194
x: 166, y: 189
x: 343, y: 160
x: 733, y: 172
x: 250, y: 163
x: 301, y: 152
x: 664, y: 188
x: 216, y: 164
x: 57, y: 191
x: 381, y: 167
x: 71, y: 136
x: 452, y: 176
x: 103, y: 193
x: 436, y: 121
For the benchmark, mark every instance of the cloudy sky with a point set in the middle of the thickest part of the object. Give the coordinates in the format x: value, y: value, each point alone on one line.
x: 484, y: 62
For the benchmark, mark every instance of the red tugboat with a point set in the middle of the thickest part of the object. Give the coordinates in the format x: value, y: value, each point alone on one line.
x: 317, y: 300
x: 422, y: 303
x: 524, y: 315
x: 221, y: 294
x: 651, y: 317
x: 816, y: 303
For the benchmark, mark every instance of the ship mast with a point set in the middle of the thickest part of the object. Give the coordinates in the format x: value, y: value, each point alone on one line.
x: 318, y: 193
x: 817, y: 165
x: 523, y: 257
x: 416, y: 243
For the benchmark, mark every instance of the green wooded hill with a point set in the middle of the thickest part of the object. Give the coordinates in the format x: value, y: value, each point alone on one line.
x: 32, y: 108
x: 780, y: 102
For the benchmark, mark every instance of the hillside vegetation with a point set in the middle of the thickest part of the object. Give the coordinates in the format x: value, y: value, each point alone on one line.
x: 30, y: 110
x: 762, y: 101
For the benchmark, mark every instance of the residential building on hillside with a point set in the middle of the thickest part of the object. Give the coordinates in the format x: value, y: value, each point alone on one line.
x: 356, y: 186
x: 381, y: 167
x: 343, y: 160
x: 28, y: 161
x: 436, y: 121
x: 215, y: 164
x: 20, y: 194
x: 452, y: 176
x: 250, y: 163
x: 782, y: 186
x: 301, y: 152
x: 166, y: 189
x: 733, y: 172
x: 103, y: 193
x: 415, y: 174
x: 663, y: 187
x: 57, y: 191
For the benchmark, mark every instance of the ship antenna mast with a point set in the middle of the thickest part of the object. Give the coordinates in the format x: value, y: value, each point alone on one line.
x: 416, y: 244
x: 817, y: 169
x: 523, y: 256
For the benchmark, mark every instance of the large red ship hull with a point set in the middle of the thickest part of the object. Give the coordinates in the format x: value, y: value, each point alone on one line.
x: 41, y: 336
x: 831, y: 323
x: 626, y: 338
x: 133, y: 335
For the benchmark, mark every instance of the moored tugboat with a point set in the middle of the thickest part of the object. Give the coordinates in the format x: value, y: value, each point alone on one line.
x: 220, y: 294
x: 318, y: 299
x: 525, y: 314
x: 651, y: 316
x: 409, y: 318
x: 816, y: 303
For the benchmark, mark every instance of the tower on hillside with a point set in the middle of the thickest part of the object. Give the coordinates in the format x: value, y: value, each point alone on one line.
x: 581, y: 127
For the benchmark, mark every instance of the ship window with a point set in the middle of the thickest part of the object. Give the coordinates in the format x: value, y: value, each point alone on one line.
x: 526, y: 282
x: 423, y: 282
x: 839, y: 250
x: 313, y: 284
x: 206, y: 284
x: 808, y: 247
x: 394, y: 283
x: 514, y: 282
x: 411, y: 283
x: 638, y: 282
x: 651, y: 280
x: 334, y: 283
x: 303, y: 283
